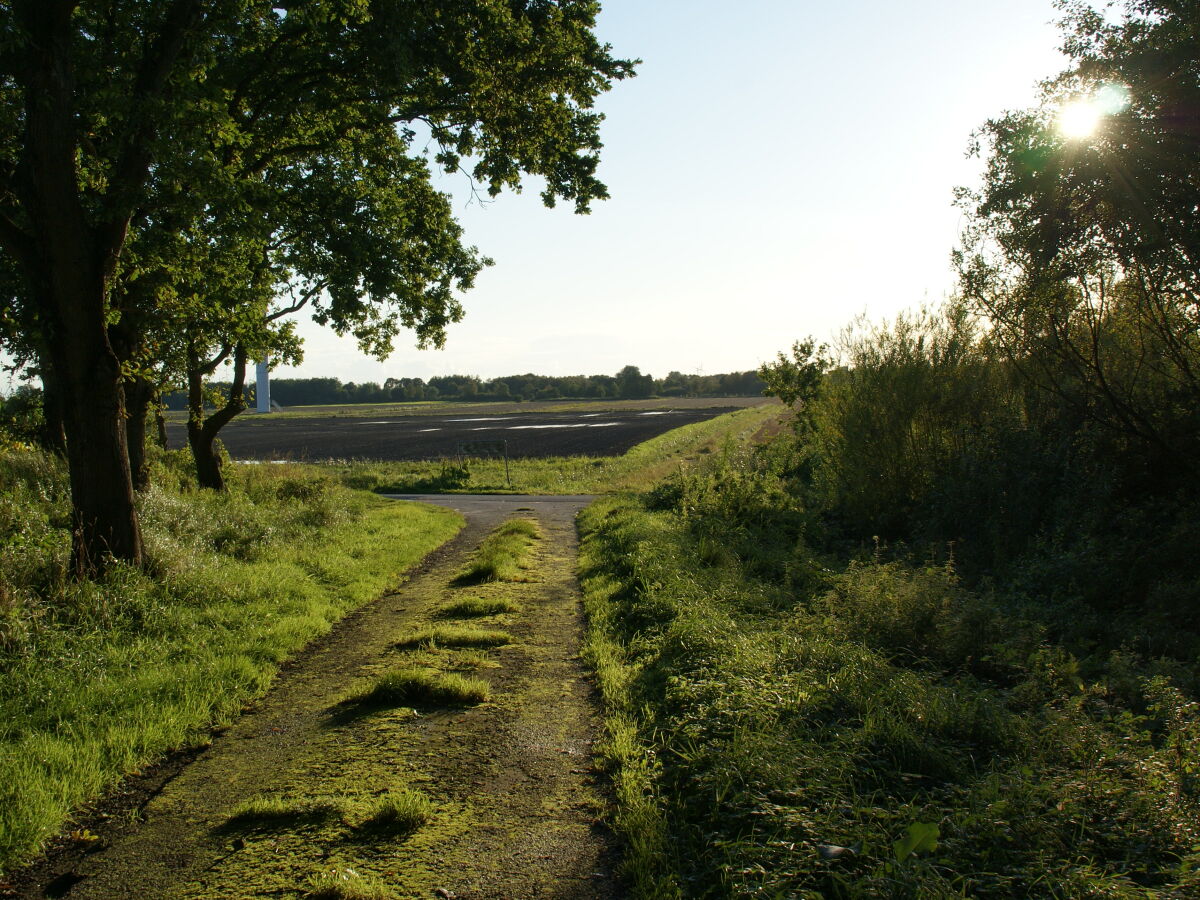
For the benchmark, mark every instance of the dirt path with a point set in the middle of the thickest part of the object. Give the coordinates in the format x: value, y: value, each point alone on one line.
x: 515, y: 804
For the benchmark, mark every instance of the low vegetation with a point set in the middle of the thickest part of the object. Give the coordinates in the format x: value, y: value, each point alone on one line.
x: 454, y: 636
x: 504, y: 555
x: 477, y: 607
x: 936, y: 640
x: 274, y: 811
x: 346, y: 884
x: 100, y: 679
x: 883, y: 731
x: 398, y: 813
x: 419, y: 687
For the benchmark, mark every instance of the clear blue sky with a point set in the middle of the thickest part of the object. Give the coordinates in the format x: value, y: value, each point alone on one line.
x: 776, y: 168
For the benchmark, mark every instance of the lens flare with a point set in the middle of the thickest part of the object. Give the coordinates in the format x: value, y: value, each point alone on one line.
x: 1082, y: 116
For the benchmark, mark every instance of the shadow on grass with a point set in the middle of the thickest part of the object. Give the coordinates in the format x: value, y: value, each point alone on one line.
x: 417, y: 688
x: 276, y: 813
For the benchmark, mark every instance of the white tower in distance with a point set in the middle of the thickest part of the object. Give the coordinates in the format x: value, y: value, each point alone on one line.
x: 262, y: 390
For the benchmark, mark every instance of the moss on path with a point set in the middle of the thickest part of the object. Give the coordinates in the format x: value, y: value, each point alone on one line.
x: 514, y: 806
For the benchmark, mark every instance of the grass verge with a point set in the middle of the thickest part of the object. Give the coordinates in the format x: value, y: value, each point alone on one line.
x: 883, y: 733
x: 101, y: 679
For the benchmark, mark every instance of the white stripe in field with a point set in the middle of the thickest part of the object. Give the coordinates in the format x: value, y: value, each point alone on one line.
x: 481, y: 419
x: 424, y: 430
x: 566, y: 425
x: 656, y: 412
x: 376, y: 423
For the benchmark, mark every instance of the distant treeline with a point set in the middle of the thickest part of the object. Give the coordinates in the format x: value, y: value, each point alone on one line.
x: 629, y: 383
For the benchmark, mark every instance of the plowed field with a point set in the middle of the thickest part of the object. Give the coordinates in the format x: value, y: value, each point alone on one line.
x: 603, y: 432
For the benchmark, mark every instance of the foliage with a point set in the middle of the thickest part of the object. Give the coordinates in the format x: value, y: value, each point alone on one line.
x: 21, y: 417
x: 1082, y: 251
x: 796, y: 381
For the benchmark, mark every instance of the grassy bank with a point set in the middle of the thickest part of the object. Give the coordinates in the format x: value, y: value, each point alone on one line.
x: 101, y: 679
x: 778, y: 728
x: 640, y: 467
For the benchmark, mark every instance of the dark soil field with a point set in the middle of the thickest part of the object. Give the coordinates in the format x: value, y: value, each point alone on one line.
x: 528, y: 432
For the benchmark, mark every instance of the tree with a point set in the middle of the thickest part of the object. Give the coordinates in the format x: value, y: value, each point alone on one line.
x: 796, y: 380
x: 119, y: 113
x: 1083, y: 251
x: 632, y: 384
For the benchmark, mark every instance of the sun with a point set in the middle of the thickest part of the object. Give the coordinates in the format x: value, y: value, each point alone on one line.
x: 1080, y: 118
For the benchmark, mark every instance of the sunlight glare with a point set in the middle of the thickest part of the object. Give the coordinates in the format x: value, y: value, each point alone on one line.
x: 1081, y: 117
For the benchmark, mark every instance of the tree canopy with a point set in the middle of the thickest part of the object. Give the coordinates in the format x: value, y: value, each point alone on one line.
x: 1084, y: 248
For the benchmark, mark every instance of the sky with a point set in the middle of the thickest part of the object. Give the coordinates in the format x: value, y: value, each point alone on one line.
x: 776, y: 168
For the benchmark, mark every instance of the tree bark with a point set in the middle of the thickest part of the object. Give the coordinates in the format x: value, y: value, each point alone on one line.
x: 202, y: 433
x: 68, y: 274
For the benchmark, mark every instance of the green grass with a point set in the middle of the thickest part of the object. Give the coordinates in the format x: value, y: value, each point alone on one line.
x: 477, y: 607
x: 419, y: 687
x: 637, y: 469
x: 454, y: 636
x: 346, y: 884
x: 751, y: 726
x: 504, y: 555
x: 101, y: 679
x: 398, y: 813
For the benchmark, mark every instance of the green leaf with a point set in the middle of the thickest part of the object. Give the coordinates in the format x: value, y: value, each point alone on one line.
x: 922, y: 837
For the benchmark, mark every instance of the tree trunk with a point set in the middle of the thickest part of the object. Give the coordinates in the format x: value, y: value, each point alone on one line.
x: 68, y: 265
x: 202, y: 433
x: 160, y: 424
x: 104, y: 520
x: 138, y: 396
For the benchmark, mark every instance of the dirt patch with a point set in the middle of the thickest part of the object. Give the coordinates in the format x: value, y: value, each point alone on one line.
x: 515, y: 800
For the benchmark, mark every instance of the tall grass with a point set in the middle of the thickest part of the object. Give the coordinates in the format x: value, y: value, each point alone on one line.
x: 877, y: 731
x: 100, y: 679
